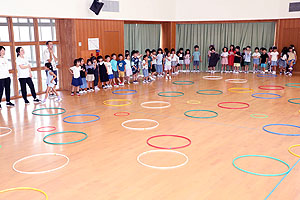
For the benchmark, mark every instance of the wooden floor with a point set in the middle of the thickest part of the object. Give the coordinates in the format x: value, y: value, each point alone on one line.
x: 105, y: 167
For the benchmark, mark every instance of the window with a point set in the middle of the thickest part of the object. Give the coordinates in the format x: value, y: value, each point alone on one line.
x: 47, y: 29
x: 30, y: 54
x: 42, y: 49
x: 8, y: 56
x: 23, y: 29
x: 4, y: 33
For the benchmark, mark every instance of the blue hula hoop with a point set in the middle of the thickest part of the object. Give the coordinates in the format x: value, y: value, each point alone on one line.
x: 277, y: 96
x: 291, y: 100
x: 205, y: 92
x: 87, y: 115
x: 216, y: 114
x: 266, y: 75
x: 259, y: 174
x: 56, y: 143
x: 285, y: 134
x: 124, y: 90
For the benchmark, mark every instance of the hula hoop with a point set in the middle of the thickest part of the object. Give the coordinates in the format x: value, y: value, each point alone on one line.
x: 178, y: 136
x: 63, y: 111
x: 259, y: 174
x: 5, y: 134
x: 291, y: 100
x: 290, y: 150
x: 236, y: 80
x: 117, y: 114
x: 266, y: 75
x: 53, y: 128
x: 277, y: 96
x: 285, y: 134
x: 257, y: 116
x: 225, y: 107
x: 25, y: 188
x: 41, y: 172
x: 193, y: 102
x: 162, y: 94
x: 55, y: 143
x: 204, y: 92
x: 244, y: 90
x: 212, y: 77
x: 216, y: 114
x: 160, y: 107
x: 87, y: 115
x: 138, y: 120
x: 124, y: 90
x: 294, y: 85
x: 183, y: 82
x: 271, y: 87
x: 157, y: 167
x: 113, y: 100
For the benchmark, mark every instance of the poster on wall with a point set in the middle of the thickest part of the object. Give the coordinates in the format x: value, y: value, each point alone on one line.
x: 93, y: 43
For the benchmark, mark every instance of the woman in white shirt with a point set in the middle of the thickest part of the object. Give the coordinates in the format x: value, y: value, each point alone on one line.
x: 4, y: 78
x: 24, y: 74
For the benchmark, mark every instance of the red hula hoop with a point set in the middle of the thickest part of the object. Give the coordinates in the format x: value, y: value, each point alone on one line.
x: 118, y: 114
x: 267, y: 87
x: 179, y: 136
x: 43, y: 127
x: 247, y: 105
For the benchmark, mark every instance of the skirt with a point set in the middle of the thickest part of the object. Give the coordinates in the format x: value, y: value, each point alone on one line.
x: 224, y: 61
x: 76, y: 81
x: 103, y: 74
x: 128, y: 72
x: 187, y: 61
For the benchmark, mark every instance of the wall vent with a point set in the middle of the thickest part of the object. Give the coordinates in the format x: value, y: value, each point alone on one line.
x: 111, y: 6
x: 294, y: 7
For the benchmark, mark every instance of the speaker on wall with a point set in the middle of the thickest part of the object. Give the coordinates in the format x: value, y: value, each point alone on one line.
x: 96, y: 6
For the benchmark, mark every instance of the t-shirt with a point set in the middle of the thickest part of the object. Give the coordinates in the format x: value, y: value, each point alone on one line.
x: 121, y: 65
x: 174, y: 58
x: 128, y: 65
x: 236, y: 58
x: 109, y: 68
x: 154, y: 60
x: 4, y: 70
x: 168, y: 61
x: 90, y: 69
x: 224, y: 54
x: 114, y: 65
x: 159, y: 59
x: 274, y: 56
x: 134, y: 64
x: 149, y: 60
x: 46, y: 55
x: 264, y: 57
x: 247, y: 56
x: 292, y: 56
x: 283, y: 57
x: 145, y: 64
x: 22, y: 73
x: 76, y: 71
x: 181, y: 56
x: 256, y: 54
x: 196, y: 56
x: 82, y: 73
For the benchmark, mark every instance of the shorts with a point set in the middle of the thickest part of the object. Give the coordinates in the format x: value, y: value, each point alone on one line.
x: 153, y: 68
x: 282, y: 63
x: 273, y: 63
x: 90, y: 77
x: 293, y: 61
x: 256, y: 61
x: 173, y: 63
x: 110, y: 76
x: 159, y: 68
x: 122, y: 74
x: 135, y: 72
x: 237, y: 64
x: 145, y: 72
x: 128, y: 72
x: 116, y: 74
x: 247, y: 63
x: 167, y: 67
x: 181, y: 62
x: 76, y: 81
x: 263, y: 65
x: 84, y: 85
x: 196, y: 63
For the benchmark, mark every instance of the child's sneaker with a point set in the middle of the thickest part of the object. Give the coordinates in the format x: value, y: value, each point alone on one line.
x: 43, y: 102
x: 59, y: 99
x: 77, y: 93
x: 166, y: 77
x: 170, y: 77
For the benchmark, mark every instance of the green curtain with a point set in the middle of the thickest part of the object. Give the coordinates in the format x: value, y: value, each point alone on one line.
x: 239, y: 34
x: 141, y: 36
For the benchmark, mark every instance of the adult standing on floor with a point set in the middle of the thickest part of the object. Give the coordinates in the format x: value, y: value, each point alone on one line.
x: 4, y: 78
x: 25, y: 75
x: 49, y: 57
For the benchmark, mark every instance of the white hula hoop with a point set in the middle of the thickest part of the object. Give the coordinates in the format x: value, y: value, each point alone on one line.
x: 160, y: 107
x: 236, y: 80
x: 138, y: 120
x: 9, y: 132
x: 212, y: 77
x: 41, y: 172
x: 157, y: 167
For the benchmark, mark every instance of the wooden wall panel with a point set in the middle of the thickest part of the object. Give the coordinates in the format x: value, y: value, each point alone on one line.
x: 168, y: 34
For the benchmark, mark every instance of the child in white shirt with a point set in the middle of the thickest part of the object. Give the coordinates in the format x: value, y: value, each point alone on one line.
x: 274, y: 59
x: 145, y: 69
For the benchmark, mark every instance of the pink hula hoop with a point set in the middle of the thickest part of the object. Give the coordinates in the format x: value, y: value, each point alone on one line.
x: 117, y: 114
x: 267, y: 87
x: 53, y: 128
x: 225, y: 107
x: 178, y: 136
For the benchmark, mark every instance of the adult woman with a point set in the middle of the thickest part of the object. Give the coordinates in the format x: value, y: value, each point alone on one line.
x: 4, y: 78
x: 24, y: 74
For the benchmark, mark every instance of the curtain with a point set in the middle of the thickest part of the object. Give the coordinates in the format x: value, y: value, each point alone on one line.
x: 259, y: 34
x: 141, y: 37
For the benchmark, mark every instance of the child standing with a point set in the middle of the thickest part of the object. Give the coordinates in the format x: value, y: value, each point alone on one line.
x: 181, y: 59
x: 264, y: 60
x: 109, y: 70
x: 231, y: 56
x: 196, y: 58
x: 76, y: 80
x: 243, y: 60
x: 154, y: 59
x: 145, y: 69
x: 269, y: 59
x: 135, y: 66
x: 90, y: 77
x: 128, y: 70
x: 187, y: 60
x: 121, y: 68
x: 247, y: 59
x: 96, y: 73
x: 114, y: 65
x: 237, y: 59
x: 83, y: 76
x: 173, y: 60
x: 256, y: 57
x: 50, y: 82
x: 213, y: 60
x: 168, y: 67
x: 159, y: 62
x: 292, y: 58
x: 224, y: 60
x: 274, y: 59
x: 103, y: 73
x: 282, y: 62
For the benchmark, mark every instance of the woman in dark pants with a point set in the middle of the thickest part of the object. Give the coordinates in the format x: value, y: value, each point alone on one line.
x: 25, y: 75
x: 4, y: 78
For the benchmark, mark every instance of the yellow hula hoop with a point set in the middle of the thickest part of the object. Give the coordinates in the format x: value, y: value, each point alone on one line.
x: 246, y: 90
x: 25, y: 188
x: 296, y: 145
x: 113, y: 100
x: 193, y: 102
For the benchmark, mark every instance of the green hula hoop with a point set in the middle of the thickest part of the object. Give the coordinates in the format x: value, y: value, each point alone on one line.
x: 294, y: 85
x: 63, y: 111
x: 291, y: 100
x: 216, y: 114
x: 162, y: 94
x: 257, y: 116
x: 55, y: 143
x: 183, y: 82
x: 204, y: 92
